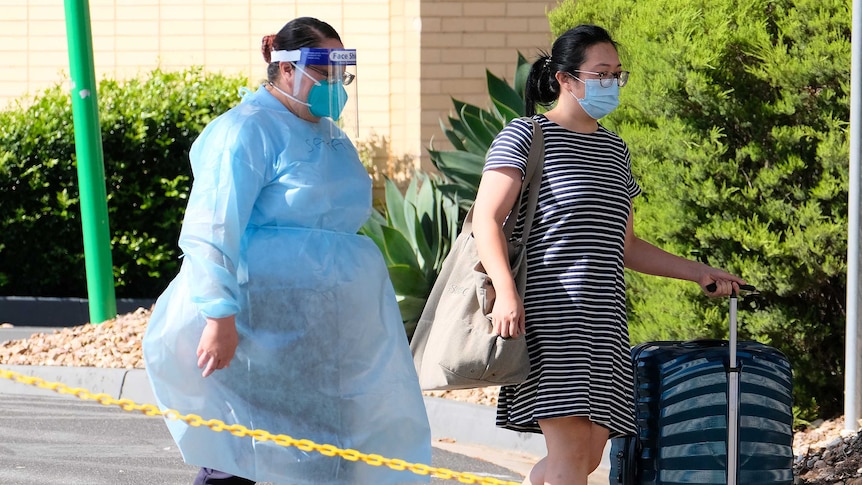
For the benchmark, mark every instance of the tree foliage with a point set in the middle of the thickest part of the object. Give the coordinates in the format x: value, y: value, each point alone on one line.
x: 736, y: 115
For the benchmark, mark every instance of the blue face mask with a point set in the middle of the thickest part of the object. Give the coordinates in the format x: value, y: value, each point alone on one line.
x: 327, y: 99
x: 598, y: 102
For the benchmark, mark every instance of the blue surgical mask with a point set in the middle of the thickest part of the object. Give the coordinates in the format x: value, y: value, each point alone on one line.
x: 598, y: 101
x: 327, y: 99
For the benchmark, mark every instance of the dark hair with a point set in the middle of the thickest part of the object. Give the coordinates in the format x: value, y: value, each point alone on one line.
x: 299, y: 32
x: 567, y: 54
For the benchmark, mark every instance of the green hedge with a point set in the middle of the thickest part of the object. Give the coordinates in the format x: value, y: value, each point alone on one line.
x: 148, y: 125
x: 736, y: 116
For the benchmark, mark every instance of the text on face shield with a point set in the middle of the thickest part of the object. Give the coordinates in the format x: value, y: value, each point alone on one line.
x: 342, y: 56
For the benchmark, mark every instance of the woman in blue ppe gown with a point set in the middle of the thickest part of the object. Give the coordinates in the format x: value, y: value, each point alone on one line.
x: 282, y: 318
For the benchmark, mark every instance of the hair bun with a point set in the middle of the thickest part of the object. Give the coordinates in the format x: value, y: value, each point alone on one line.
x: 266, y: 47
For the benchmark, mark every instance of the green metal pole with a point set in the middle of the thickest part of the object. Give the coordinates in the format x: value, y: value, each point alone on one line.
x: 91, y: 169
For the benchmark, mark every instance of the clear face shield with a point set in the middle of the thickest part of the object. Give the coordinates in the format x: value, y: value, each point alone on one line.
x: 333, y: 93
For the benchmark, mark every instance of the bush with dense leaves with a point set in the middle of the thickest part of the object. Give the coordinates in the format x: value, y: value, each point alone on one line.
x: 148, y: 126
x: 736, y: 116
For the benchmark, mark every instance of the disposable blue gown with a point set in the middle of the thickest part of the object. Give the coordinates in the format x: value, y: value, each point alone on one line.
x: 270, y: 234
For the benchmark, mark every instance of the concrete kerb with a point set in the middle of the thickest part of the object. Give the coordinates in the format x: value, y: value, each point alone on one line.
x: 94, y: 380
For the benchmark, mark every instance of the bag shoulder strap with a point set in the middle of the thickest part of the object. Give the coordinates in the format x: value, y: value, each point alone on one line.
x: 532, y: 179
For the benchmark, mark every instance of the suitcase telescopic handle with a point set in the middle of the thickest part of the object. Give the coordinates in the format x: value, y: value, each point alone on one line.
x: 712, y: 287
x: 733, y: 328
x: 732, y: 390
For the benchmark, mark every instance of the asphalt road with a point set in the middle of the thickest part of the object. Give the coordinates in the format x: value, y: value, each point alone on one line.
x: 47, y: 440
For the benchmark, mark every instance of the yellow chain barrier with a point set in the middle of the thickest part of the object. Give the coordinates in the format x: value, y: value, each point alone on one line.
x: 258, y: 434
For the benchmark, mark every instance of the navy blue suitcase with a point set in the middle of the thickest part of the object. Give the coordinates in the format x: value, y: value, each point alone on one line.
x: 686, y: 393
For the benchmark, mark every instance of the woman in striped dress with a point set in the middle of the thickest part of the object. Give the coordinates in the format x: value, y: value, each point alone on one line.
x: 579, y: 391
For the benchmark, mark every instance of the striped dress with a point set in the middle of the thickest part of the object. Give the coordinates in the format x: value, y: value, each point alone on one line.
x: 577, y: 332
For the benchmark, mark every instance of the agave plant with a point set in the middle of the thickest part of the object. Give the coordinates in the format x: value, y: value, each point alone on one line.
x: 416, y: 229
x: 414, y: 235
x: 473, y: 130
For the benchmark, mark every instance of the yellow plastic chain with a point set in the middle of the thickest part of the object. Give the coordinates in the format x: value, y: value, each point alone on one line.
x: 258, y: 434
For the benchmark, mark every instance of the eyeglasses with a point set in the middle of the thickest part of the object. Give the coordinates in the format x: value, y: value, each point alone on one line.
x: 606, y: 79
x: 346, y: 77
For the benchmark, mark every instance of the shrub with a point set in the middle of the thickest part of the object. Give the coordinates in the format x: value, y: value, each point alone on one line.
x: 736, y: 117
x: 148, y: 126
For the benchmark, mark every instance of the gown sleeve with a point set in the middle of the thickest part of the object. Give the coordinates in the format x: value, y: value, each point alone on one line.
x: 227, y: 163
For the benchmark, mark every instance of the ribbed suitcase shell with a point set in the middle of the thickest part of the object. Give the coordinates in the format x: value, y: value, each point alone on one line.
x: 681, y: 403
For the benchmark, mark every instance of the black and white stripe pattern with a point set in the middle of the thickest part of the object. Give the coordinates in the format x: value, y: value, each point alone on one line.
x: 577, y: 332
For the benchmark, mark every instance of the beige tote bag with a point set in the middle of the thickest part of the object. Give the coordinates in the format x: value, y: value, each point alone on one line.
x: 454, y: 345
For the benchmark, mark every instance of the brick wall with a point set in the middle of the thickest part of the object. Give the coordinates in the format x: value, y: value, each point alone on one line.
x: 460, y: 40
x: 414, y: 55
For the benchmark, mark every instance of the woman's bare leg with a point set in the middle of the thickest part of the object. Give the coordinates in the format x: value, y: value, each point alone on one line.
x: 575, y: 446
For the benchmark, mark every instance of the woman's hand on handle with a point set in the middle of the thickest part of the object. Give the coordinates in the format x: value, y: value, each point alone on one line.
x: 716, y: 282
x: 218, y: 344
